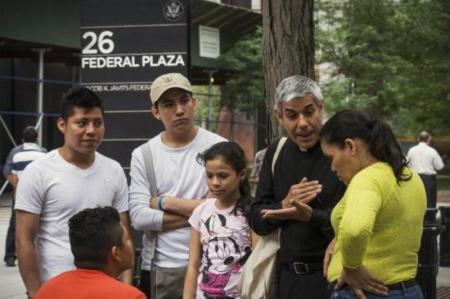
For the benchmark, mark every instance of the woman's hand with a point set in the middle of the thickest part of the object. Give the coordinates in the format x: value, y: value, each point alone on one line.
x: 360, y: 279
x: 327, y: 257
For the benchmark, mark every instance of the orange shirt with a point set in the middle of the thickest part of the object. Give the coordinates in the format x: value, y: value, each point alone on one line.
x: 84, y: 284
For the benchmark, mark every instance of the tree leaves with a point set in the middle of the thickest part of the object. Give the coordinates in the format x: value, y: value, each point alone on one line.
x: 392, y: 56
x: 245, y: 89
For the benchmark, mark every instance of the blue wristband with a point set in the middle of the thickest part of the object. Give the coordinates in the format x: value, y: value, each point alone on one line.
x: 160, y: 202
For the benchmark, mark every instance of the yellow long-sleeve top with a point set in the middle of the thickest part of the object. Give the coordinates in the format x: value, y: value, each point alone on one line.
x: 378, y: 224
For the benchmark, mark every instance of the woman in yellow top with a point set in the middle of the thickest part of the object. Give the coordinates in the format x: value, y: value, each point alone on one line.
x: 378, y: 222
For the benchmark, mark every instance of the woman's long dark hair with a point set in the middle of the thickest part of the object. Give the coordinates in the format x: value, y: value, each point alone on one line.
x: 373, y: 131
x: 234, y: 156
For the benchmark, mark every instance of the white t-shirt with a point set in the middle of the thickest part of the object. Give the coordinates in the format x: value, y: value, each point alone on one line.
x: 424, y: 159
x: 56, y: 190
x: 29, y: 153
x: 177, y: 174
x: 226, y: 241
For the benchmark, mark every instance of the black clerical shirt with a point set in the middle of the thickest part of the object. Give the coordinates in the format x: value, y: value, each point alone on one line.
x: 300, y: 241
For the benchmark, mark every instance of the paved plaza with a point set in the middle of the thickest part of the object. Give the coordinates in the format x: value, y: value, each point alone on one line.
x: 11, y: 286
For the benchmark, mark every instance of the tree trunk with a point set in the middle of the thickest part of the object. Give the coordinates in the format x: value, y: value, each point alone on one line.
x: 288, y: 46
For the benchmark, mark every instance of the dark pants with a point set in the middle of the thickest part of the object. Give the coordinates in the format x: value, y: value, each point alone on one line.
x: 10, y: 244
x: 429, y: 180
x: 312, y: 285
x: 144, y: 283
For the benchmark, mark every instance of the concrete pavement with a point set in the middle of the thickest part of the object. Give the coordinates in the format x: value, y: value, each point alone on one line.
x: 11, y: 286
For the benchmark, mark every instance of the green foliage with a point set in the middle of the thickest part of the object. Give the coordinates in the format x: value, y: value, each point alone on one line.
x: 245, y: 89
x: 392, y: 56
x: 203, y: 96
x: 426, y: 92
x: 443, y: 184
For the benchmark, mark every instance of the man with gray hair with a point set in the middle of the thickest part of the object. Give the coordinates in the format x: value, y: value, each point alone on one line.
x: 425, y: 161
x: 298, y: 191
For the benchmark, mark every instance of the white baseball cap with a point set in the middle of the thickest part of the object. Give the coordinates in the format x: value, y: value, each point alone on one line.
x: 166, y: 82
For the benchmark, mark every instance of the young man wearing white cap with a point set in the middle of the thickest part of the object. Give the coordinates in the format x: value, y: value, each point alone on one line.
x: 180, y: 183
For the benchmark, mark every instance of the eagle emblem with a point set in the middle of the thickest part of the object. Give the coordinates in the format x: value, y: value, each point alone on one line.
x: 173, y: 10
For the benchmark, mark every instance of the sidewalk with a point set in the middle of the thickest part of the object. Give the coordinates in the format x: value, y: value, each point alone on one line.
x: 11, y: 285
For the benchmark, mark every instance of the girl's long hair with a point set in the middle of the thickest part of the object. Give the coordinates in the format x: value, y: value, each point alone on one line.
x: 372, y: 131
x: 234, y: 156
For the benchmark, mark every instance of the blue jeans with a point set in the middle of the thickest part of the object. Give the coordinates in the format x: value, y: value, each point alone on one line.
x: 413, y: 292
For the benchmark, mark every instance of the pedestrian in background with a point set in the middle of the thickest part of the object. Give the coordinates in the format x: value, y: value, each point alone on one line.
x: 425, y: 161
x: 19, y: 158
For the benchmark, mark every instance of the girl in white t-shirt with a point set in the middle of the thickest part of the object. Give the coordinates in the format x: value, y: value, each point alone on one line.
x: 221, y: 238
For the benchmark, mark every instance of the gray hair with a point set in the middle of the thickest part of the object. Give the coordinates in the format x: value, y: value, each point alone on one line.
x: 296, y: 87
x: 424, y: 136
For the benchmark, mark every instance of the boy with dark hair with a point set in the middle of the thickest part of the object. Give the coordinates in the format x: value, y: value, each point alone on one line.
x: 64, y: 182
x: 102, y: 249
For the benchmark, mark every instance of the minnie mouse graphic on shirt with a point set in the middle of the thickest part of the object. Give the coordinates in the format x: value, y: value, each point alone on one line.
x: 227, y: 249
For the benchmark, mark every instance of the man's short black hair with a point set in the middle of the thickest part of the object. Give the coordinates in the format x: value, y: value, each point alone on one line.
x: 92, y: 234
x: 29, y: 134
x: 80, y: 97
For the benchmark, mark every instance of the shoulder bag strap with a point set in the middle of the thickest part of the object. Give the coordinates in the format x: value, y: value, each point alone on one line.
x: 151, y: 177
x: 149, y: 169
x: 280, y: 144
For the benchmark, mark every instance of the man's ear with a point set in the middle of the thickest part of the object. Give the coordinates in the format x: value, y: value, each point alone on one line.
x: 321, y: 107
x: 61, y: 124
x: 155, y: 111
x: 279, y: 116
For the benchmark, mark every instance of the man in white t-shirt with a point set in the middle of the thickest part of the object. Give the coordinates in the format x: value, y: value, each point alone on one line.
x: 180, y: 183
x: 64, y: 182
x: 425, y: 160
